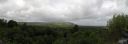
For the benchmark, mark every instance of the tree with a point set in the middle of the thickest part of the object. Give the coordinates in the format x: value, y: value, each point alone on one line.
x: 75, y: 29
x: 118, y: 22
x: 12, y: 23
x: 3, y: 22
x: 117, y: 25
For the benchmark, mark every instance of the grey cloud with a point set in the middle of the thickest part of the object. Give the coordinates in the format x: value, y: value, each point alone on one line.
x: 82, y: 12
x: 2, y: 1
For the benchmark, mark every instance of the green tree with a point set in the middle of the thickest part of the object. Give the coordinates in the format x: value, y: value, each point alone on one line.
x: 3, y: 22
x: 117, y: 25
x: 12, y: 23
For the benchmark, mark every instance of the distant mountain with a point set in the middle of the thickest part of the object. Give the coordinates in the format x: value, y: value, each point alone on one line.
x: 51, y: 24
x: 61, y: 24
x: 47, y: 23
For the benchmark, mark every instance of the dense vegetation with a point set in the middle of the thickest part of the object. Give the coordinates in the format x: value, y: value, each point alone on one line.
x: 12, y: 32
x: 118, y: 27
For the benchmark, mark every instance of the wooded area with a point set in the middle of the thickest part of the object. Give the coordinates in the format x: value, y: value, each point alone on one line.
x: 13, y: 33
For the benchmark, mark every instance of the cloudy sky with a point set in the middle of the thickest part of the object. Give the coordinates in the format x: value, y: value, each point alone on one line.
x: 82, y: 12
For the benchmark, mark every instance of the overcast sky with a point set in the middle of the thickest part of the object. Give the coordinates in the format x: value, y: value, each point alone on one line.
x: 82, y: 12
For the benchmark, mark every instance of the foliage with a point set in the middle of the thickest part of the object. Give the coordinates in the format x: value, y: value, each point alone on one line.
x: 119, y: 22
x: 34, y: 34
x: 12, y: 23
x: 117, y: 25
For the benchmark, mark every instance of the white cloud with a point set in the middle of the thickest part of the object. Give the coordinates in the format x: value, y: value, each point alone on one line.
x: 83, y: 12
